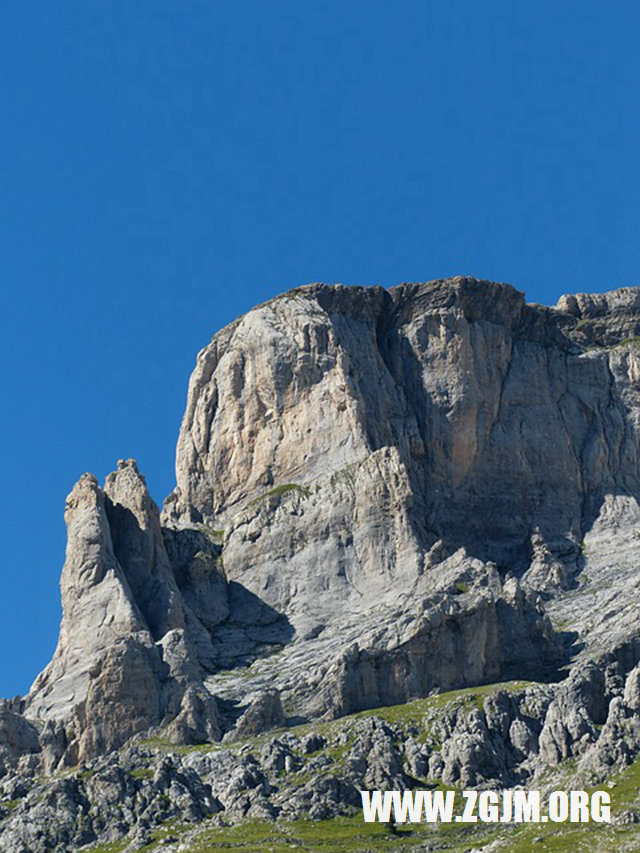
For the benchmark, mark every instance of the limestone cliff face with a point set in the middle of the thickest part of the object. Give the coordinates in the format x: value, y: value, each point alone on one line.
x: 371, y: 453
x: 378, y: 494
x: 498, y: 421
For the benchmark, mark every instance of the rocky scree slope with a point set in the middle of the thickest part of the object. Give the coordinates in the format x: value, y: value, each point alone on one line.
x: 380, y: 494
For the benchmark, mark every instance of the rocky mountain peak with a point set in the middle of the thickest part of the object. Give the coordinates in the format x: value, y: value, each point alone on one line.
x: 379, y: 494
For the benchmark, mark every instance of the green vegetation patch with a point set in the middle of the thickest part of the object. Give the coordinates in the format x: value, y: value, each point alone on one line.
x: 414, y: 712
x: 288, y: 487
x: 212, y: 533
x: 284, y: 489
x: 337, y: 835
x: 142, y: 773
x: 634, y: 340
x: 163, y: 744
x: 115, y: 847
x: 170, y: 829
x: 587, y: 837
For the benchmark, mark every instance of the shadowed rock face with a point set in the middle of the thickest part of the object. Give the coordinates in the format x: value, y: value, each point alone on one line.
x: 375, y: 491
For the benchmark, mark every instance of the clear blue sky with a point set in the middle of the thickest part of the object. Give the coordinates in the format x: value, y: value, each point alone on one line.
x: 167, y: 165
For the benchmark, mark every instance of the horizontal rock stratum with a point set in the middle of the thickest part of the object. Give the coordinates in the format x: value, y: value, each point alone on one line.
x: 379, y: 494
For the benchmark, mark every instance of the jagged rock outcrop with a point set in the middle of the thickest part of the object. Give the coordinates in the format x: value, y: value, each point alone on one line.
x: 263, y: 713
x: 18, y: 737
x: 104, y: 681
x: 603, y: 319
x: 129, y: 649
x: 492, y: 737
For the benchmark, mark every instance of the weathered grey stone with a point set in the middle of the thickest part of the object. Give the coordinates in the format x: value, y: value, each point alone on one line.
x: 17, y: 737
x: 127, y: 657
x: 264, y: 713
x: 103, y: 681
